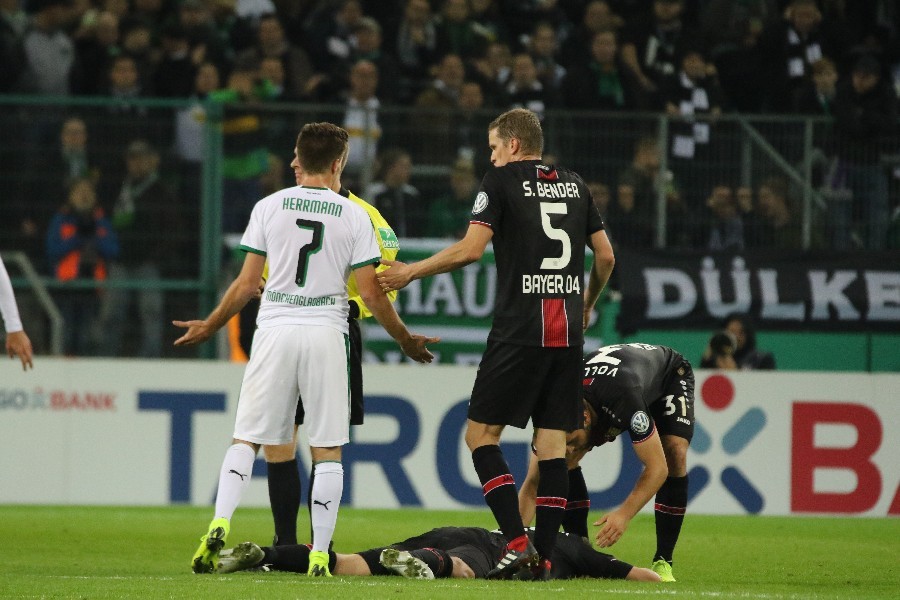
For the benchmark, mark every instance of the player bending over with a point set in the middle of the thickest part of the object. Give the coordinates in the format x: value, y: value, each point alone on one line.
x: 647, y: 391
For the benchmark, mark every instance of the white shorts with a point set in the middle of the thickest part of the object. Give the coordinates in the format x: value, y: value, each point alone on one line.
x: 286, y: 362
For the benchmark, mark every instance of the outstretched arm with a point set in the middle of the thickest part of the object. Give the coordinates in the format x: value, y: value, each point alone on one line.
x: 613, y: 524
x: 17, y: 342
x: 465, y: 251
x: 413, y: 345
x: 239, y: 293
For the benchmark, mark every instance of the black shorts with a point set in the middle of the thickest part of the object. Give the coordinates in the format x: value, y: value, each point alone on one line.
x: 672, y: 415
x: 517, y: 383
x: 357, y: 403
x: 478, y: 548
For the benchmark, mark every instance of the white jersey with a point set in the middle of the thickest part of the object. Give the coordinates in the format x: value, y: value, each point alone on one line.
x: 312, y: 238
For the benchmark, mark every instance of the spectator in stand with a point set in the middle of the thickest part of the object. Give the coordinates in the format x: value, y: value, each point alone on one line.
x: 543, y: 46
x: 206, y: 43
x: 137, y: 44
x: 457, y: 33
x: 368, y: 39
x: 525, y: 90
x: 735, y: 347
x: 521, y: 15
x: 696, y: 152
x: 190, y: 143
x: 732, y: 31
x: 398, y: 202
x: 50, y: 62
x: 726, y: 227
x: 492, y: 69
x: 791, y: 45
x: 781, y: 223
x: 246, y: 156
x: 816, y: 97
x: 173, y: 76
x: 13, y: 25
x: 651, y: 46
x: 438, y: 102
x: 147, y: 219
x: 468, y: 127
x: 577, y: 49
x: 604, y: 83
x: 329, y: 34
x: 416, y: 45
x: 634, y: 213
x: 865, y: 122
x: 361, y: 120
x: 96, y: 51
x: 448, y: 216
x: 80, y: 243
x: 155, y: 13
x: 300, y: 78
x: 488, y: 20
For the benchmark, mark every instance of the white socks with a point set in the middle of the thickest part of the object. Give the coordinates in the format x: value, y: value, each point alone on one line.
x: 328, y: 486
x: 233, y: 479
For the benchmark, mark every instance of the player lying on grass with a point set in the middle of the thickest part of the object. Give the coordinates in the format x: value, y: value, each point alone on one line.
x: 464, y: 552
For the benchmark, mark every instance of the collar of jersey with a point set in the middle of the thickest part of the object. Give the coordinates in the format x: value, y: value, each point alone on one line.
x: 313, y: 187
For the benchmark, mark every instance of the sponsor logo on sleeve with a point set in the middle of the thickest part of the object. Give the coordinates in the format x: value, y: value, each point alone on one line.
x: 640, y: 422
x: 481, y: 202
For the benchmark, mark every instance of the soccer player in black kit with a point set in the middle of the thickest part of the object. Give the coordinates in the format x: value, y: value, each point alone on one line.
x: 463, y: 552
x: 540, y: 218
x: 647, y: 391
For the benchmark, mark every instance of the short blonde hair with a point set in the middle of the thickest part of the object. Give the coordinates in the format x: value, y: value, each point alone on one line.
x: 523, y: 125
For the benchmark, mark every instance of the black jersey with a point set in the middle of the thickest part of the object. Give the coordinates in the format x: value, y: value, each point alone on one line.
x: 542, y: 217
x: 621, y: 382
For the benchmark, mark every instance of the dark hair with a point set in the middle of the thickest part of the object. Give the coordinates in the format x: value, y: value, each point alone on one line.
x: 319, y: 145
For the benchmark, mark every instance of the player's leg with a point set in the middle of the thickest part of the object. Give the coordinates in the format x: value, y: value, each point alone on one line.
x: 284, y: 490
x: 500, y: 495
x: 324, y: 386
x: 503, y: 394
x: 553, y: 488
x: 234, y: 476
x: 560, y: 409
x: 578, y: 505
x: 674, y: 415
x: 671, y: 504
x: 263, y: 417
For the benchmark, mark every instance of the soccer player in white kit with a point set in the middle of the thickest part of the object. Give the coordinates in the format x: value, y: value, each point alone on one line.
x: 312, y: 238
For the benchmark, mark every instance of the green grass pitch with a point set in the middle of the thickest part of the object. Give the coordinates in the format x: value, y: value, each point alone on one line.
x: 113, y: 552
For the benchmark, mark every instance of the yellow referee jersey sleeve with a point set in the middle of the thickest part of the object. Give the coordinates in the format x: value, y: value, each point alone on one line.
x: 387, y: 243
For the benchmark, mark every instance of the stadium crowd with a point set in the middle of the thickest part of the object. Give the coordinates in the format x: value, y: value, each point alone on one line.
x: 415, y: 82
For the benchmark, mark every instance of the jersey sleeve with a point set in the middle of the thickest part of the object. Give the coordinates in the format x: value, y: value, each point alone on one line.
x: 640, y: 423
x: 254, y: 239
x: 365, y: 248
x: 488, y: 207
x: 389, y: 246
x: 8, y: 307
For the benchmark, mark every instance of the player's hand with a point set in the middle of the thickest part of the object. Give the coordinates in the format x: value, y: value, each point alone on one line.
x: 613, y: 526
x: 415, y: 348
x: 396, y: 277
x: 18, y: 344
x: 259, y: 289
x: 586, y: 318
x: 197, y: 332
